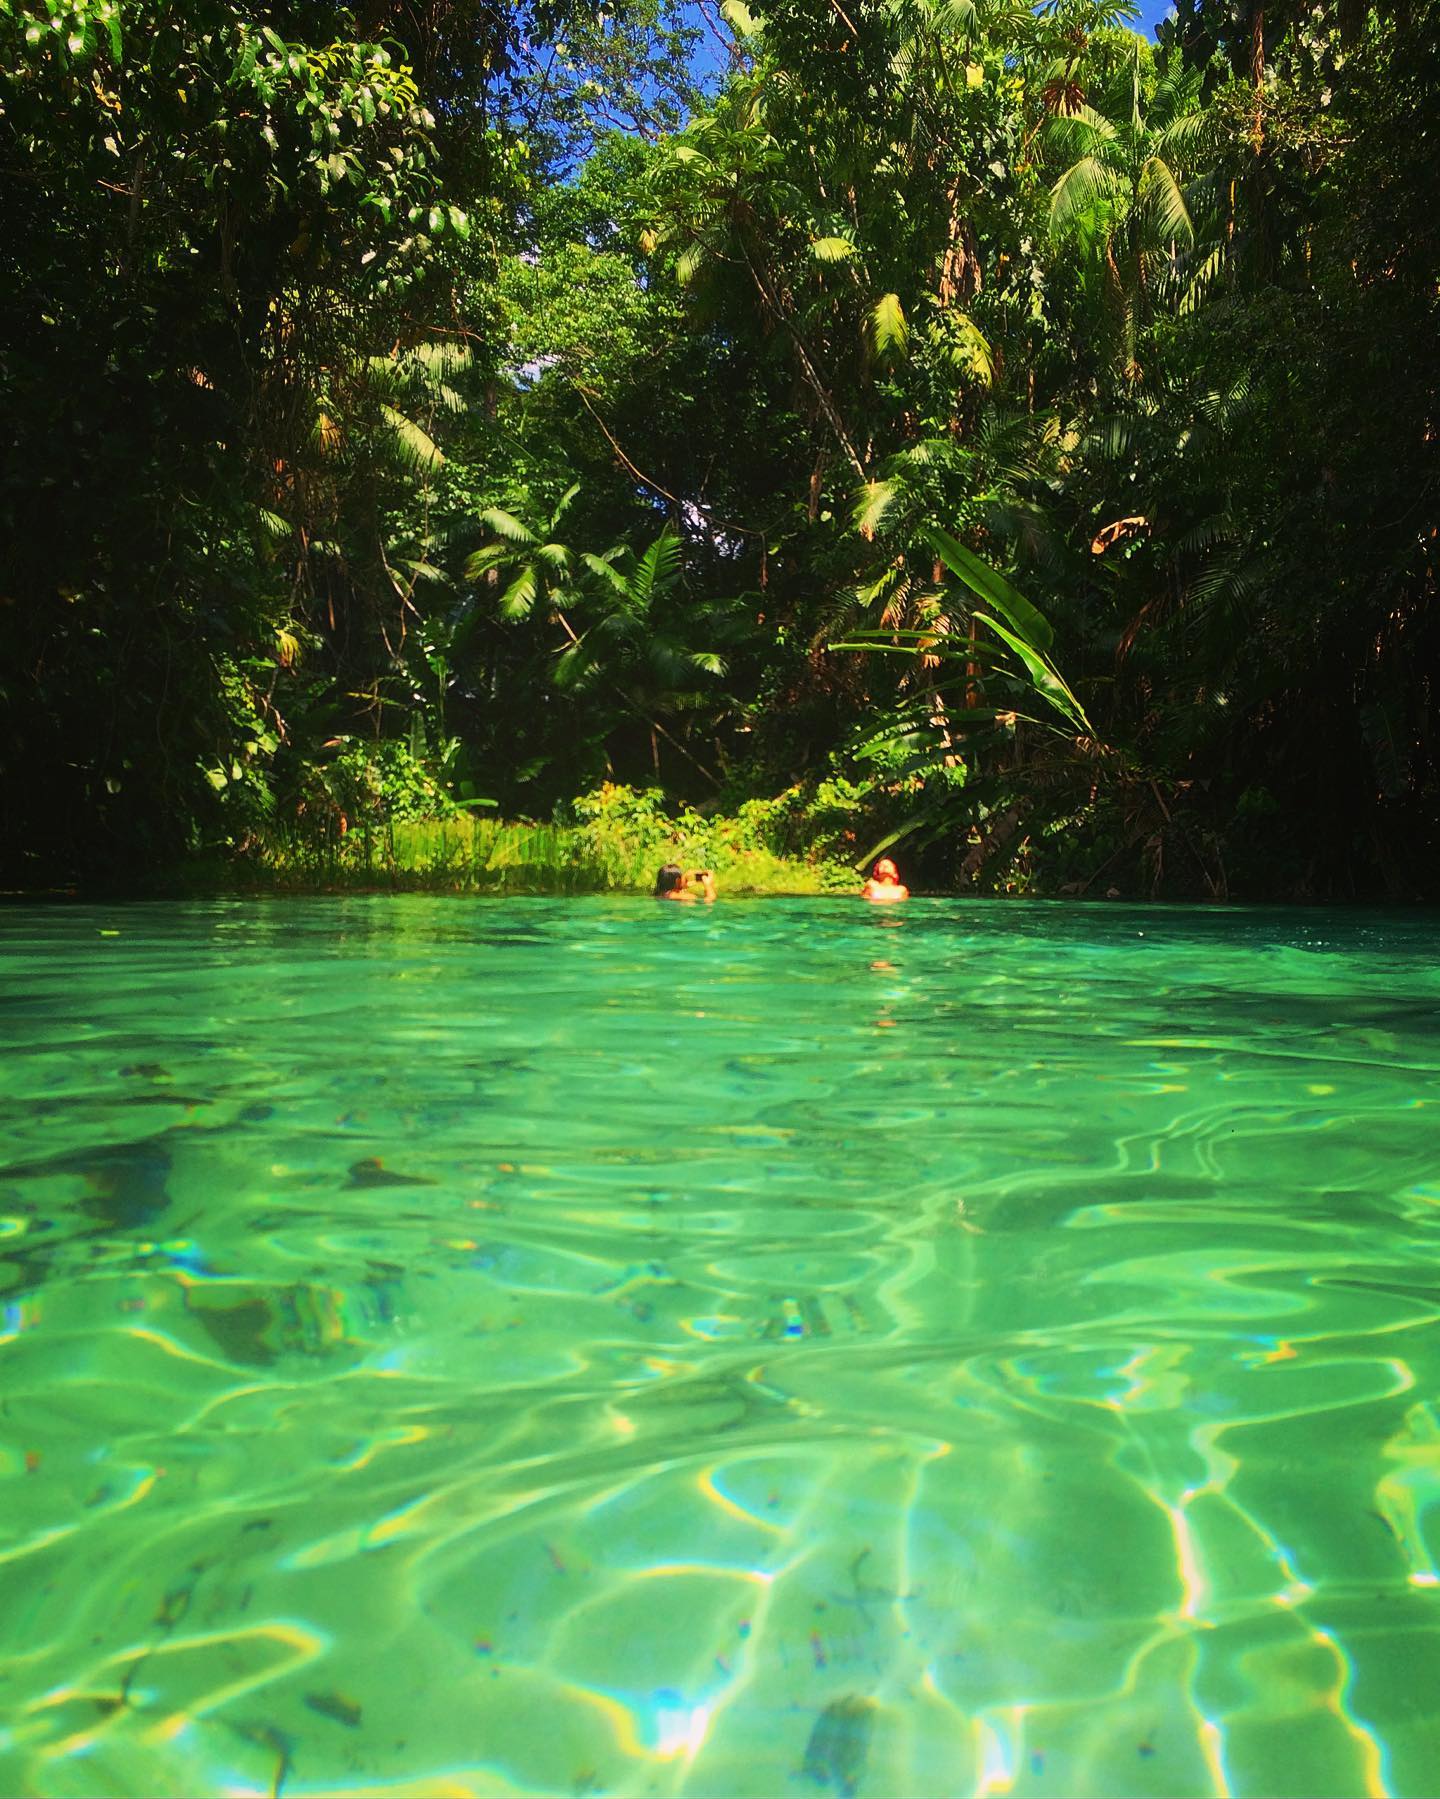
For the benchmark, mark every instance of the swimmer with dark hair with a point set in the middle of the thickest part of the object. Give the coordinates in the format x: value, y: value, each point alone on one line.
x: 885, y: 886
x: 695, y: 888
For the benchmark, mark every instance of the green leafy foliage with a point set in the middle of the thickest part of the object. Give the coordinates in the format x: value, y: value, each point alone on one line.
x: 972, y: 428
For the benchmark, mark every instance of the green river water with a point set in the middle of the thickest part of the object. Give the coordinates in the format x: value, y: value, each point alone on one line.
x: 591, y: 1347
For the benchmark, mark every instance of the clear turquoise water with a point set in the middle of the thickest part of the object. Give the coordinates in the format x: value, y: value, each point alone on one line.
x: 590, y: 1347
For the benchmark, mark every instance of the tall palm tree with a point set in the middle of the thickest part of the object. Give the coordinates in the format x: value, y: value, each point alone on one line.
x: 638, y: 638
x: 542, y: 570
x: 1121, y: 197
x: 628, y: 629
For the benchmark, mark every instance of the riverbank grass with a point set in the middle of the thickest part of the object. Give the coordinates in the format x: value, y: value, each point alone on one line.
x: 470, y: 854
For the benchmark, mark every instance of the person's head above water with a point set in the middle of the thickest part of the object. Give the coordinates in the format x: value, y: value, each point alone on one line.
x: 885, y: 883
x: 673, y: 883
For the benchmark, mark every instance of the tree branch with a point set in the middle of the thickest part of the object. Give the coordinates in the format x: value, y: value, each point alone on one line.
x: 645, y: 480
x: 812, y: 374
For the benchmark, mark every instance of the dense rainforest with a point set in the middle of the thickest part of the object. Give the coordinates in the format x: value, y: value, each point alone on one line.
x: 946, y: 423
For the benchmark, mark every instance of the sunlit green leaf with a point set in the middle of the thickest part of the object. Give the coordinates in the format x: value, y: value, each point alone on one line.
x: 1048, y: 682
x: 505, y: 524
x: 414, y: 444
x: 740, y: 18
x: 519, y: 597
x: 872, y: 502
x: 889, y: 330
x: 990, y: 585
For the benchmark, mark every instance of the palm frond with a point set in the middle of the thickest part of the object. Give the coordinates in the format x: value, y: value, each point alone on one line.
x: 935, y: 452
x: 883, y: 588
x: 1222, y: 587
x: 444, y: 360
x: 1185, y: 136
x: 326, y: 433
x: 691, y: 261
x: 740, y: 19
x: 1008, y: 443
x: 956, y: 18
x: 889, y: 329
x: 425, y: 571
x: 1112, y: 441
x: 505, y: 524
x: 1224, y: 408
x: 1203, y: 276
x: 1160, y: 192
x: 872, y: 502
x: 606, y: 570
x: 1032, y: 529
x: 1206, y: 534
x: 572, y: 666
x: 969, y: 349
x: 1080, y: 132
x: 1113, y: 13
x: 412, y: 445
x: 518, y: 598
x: 659, y: 567
x: 1084, y: 187
x: 480, y: 562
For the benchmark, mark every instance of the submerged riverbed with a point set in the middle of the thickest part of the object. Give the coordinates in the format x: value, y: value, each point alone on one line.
x: 580, y: 1347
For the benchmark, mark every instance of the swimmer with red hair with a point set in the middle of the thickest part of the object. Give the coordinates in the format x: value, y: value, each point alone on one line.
x: 885, y: 885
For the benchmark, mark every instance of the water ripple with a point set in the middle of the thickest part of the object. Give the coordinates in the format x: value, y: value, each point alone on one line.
x: 568, y: 1349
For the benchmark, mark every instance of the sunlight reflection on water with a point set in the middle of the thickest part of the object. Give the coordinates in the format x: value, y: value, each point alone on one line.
x: 591, y: 1347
